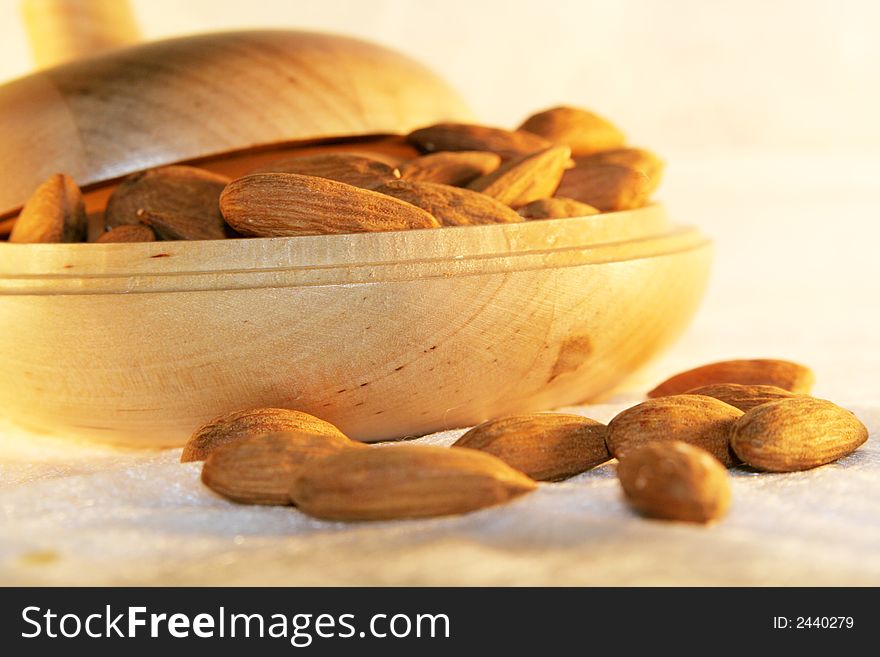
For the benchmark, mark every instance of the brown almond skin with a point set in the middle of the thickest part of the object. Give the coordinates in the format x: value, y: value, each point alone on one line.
x: 259, y: 470
x: 556, y: 208
x: 470, y: 137
x: 179, y: 227
x: 582, y: 131
x: 6, y: 226
x: 796, y: 434
x: 290, y: 205
x: 527, y: 178
x: 608, y: 187
x: 783, y: 374
x: 544, y: 446
x: 701, y: 421
x: 183, y: 196
x: 128, y: 233
x: 672, y: 480
x: 405, y: 481
x: 451, y: 206
x: 55, y: 213
x: 232, y: 427
x: 357, y: 170
x: 639, y: 159
x: 456, y: 168
x: 743, y: 397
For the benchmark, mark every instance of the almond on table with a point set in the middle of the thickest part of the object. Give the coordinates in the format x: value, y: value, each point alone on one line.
x: 673, y: 480
x: 743, y: 397
x: 784, y: 374
x: 545, y: 446
x: 796, y: 434
x: 259, y: 469
x: 238, y: 425
x: 405, y: 481
x: 702, y: 421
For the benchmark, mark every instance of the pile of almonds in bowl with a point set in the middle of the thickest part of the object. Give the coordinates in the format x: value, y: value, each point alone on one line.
x: 563, y: 162
x: 673, y: 451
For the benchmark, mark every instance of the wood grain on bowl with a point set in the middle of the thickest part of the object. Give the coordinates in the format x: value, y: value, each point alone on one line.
x: 383, y: 334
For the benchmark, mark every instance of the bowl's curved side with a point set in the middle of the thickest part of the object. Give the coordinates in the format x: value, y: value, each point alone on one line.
x: 192, y: 97
x: 380, y: 359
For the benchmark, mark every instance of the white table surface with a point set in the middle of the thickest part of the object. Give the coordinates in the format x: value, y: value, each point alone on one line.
x: 797, y: 275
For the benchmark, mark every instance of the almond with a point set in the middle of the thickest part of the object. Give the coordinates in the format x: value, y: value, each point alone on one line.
x: 183, y: 201
x: 357, y: 170
x: 6, y: 226
x: 796, y: 434
x: 639, y: 159
x: 456, y: 168
x: 178, y: 227
x: 468, y: 137
x: 701, y: 421
x: 289, y: 204
x: 780, y: 373
x: 556, y: 208
x: 259, y: 470
x: 608, y: 187
x: 54, y: 213
x: 545, y: 446
x: 582, y: 131
x: 525, y: 179
x: 232, y: 427
x: 451, y: 206
x: 128, y: 233
x: 673, y: 480
x: 743, y: 397
x: 405, y: 481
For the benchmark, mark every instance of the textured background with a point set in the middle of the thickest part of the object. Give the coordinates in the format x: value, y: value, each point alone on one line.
x: 766, y: 112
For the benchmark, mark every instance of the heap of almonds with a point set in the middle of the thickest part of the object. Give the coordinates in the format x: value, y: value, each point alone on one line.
x: 672, y: 451
x: 563, y: 162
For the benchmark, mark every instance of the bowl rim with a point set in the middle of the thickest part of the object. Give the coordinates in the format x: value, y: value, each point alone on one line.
x: 341, y: 259
x: 347, y: 249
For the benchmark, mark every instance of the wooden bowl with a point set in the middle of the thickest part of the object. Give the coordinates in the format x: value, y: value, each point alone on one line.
x: 384, y: 334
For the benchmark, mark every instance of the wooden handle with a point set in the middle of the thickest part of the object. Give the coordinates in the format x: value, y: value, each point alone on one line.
x: 64, y: 30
